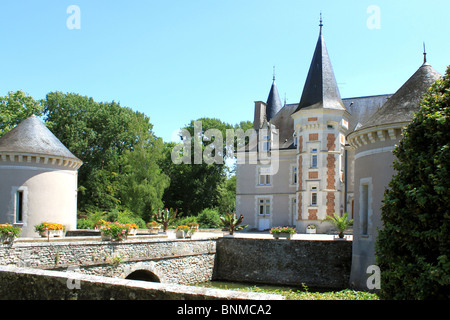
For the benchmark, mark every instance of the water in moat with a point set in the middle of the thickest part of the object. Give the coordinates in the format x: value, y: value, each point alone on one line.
x: 246, y: 285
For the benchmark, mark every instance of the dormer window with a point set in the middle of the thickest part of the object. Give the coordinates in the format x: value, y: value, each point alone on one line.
x: 266, y: 144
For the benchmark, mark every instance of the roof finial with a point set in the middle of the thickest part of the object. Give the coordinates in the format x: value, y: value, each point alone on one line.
x: 321, y: 24
x: 273, y: 73
x: 424, y: 53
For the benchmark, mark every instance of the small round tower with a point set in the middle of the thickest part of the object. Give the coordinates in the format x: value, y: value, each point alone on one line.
x: 373, y: 143
x: 38, y: 178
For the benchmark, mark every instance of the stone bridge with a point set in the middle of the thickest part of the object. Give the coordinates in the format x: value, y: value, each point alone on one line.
x: 208, y: 256
x: 156, y: 259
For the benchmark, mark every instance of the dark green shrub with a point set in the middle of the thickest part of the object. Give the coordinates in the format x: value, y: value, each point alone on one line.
x: 208, y: 218
x: 413, y: 248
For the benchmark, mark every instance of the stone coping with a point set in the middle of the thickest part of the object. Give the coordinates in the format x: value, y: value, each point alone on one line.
x: 171, y: 237
x: 168, y: 291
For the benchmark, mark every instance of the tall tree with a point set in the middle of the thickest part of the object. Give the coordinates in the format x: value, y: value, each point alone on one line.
x: 117, y: 147
x: 14, y: 108
x: 413, y: 249
x: 202, y: 182
x: 142, y: 181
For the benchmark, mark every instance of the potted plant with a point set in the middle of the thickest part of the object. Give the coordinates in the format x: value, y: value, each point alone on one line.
x: 193, y: 226
x: 311, y: 228
x: 114, y: 231
x: 182, y: 232
x: 165, y: 217
x: 133, y: 229
x: 50, y: 229
x: 154, y: 227
x: 341, y: 223
x: 282, y: 232
x: 231, y: 222
x: 99, y: 224
x: 8, y: 233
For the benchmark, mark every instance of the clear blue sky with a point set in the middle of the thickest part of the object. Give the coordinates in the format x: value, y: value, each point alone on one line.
x: 179, y: 60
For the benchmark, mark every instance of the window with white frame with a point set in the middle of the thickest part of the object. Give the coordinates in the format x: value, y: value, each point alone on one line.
x: 314, y: 158
x: 264, y: 177
x: 364, y: 210
x: 264, y: 206
x: 294, y: 175
x: 313, y: 196
x: 19, y: 206
x: 365, y: 205
x: 293, y: 209
x: 266, y: 143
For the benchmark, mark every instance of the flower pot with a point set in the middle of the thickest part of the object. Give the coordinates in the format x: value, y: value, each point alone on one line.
x: 286, y: 235
x: 108, y: 237
x: 133, y: 232
x: 310, y: 230
x: 6, y: 239
x: 52, y: 233
x: 180, y: 234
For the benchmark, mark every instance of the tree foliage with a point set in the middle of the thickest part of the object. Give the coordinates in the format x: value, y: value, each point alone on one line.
x: 126, y: 167
x: 14, y: 108
x: 197, y: 186
x: 119, y: 150
x: 413, y: 249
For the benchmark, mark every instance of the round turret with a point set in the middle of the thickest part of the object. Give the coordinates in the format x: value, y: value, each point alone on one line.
x: 38, y: 178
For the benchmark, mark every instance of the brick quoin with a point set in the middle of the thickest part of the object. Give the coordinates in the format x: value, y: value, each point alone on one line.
x: 300, y: 173
x: 330, y: 203
x: 312, y: 214
x: 299, y: 202
x: 331, y: 166
x: 330, y: 142
x: 300, y: 144
x: 331, y: 172
x: 313, y: 136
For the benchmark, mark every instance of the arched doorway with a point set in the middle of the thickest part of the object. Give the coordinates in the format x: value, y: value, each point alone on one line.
x: 143, y: 275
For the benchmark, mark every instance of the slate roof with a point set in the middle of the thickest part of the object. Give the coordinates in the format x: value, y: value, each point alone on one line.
x: 401, y: 106
x: 362, y: 108
x: 285, y: 125
x: 320, y: 89
x: 31, y: 136
x: 273, y: 104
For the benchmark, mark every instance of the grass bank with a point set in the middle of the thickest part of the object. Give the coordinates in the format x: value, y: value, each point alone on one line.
x: 293, y: 293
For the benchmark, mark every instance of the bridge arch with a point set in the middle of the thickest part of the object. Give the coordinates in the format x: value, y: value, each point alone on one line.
x: 143, y: 271
x: 143, y: 275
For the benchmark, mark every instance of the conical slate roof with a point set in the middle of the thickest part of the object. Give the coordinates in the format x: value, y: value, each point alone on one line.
x: 31, y: 136
x: 401, y: 106
x: 273, y: 104
x: 320, y: 90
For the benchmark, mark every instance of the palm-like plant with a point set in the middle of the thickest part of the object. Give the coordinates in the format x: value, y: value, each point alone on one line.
x: 341, y: 223
x: 232, y: 222
x: 165, y: 217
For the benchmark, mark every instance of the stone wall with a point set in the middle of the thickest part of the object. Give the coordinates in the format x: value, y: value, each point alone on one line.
x: 34, y: 284
x: 318, y: 264
x: 172, y: 261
